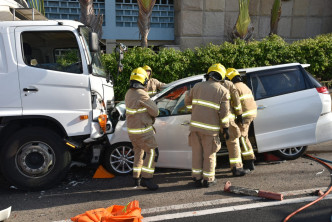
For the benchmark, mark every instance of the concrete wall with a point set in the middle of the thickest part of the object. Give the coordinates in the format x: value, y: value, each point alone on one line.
x: 198, y: 22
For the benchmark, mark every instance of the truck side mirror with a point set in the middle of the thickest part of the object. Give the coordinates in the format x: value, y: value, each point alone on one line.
x: 94, y: 42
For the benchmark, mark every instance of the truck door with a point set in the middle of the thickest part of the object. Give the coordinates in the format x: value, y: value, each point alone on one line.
x: 53, y: 80
x: 287, y: 109
x: 10, y: 99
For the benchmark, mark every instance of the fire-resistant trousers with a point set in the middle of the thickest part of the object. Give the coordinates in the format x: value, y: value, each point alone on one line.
x: 204, y: 149
x: 246, y: 148
x: 233, y: 146
x: 144, y: 167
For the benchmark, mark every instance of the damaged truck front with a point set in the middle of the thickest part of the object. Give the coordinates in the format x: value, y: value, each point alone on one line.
x: 54, y: 100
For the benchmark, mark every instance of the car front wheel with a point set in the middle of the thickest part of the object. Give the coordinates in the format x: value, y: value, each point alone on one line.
x: 291, y: 153
x: 119, y: 158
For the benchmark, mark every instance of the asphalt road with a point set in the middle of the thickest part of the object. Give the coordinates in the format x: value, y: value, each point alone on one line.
x: 79, y: 192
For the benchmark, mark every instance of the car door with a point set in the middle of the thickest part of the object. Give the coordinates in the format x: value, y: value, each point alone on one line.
x: 288, y: 109
x: 51, y: 84
x: 172, y: 127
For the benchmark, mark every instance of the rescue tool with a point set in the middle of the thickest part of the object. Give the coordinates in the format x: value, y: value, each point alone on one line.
x: 252, y: 192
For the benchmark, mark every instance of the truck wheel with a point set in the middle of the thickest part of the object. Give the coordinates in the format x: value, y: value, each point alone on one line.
x: 34, y: 158
x: 119, y: 158
x: 291, y: 153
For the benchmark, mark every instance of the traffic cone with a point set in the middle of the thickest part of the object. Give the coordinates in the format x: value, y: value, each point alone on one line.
x: 101, y: 172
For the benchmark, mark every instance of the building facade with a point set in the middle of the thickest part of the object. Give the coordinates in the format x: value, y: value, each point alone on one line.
x: 192, y: 23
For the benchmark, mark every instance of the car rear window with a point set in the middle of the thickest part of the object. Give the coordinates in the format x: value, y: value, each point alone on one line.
x: 278, y: 82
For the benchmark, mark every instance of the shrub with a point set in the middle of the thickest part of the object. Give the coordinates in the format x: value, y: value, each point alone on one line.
x: 170, y: 64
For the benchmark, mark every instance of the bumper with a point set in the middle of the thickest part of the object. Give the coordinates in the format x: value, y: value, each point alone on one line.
x: 324, y: 128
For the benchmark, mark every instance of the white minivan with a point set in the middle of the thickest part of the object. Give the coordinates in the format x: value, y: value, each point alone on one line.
x: 294, y: 110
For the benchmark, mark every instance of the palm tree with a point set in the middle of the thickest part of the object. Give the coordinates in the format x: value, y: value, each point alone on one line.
x: 275, y: 16
x: 243, y: 28
x: 89, y: 18
x: 145, y: 11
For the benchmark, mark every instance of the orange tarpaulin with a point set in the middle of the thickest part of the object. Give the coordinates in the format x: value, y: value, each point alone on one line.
x: 114, y: 213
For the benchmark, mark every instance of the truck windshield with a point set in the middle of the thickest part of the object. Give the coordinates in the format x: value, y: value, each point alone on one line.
x: 94, y: 57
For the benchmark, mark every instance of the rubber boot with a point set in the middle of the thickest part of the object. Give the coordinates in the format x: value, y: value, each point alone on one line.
x: 198, y: 183
x: 249, y: 164
x: 148, y: 183
x: 209, y: 184
x: 137, y: 182
x: 239, y: 172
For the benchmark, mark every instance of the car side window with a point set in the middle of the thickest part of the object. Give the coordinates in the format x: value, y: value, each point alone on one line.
x: 172, y: 103
x: 277, y: 83
x: 52, y: 50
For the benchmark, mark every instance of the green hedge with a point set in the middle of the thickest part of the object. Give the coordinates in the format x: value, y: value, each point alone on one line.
x: 169, y: 64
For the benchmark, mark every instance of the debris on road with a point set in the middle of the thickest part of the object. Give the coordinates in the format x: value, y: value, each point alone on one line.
x: 5, y: 214
x: 252, y: 192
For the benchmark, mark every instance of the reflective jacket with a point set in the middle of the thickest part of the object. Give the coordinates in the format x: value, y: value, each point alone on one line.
x: 210, y: 107
x: 249, y: 107
x: 140, y: 112
x: 153, y: 86
x: 235, y: 102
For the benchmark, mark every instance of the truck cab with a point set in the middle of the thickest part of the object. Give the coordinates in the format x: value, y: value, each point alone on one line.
x: 54, y: 99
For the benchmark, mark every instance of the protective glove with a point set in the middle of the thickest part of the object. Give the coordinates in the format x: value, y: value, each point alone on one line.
x: 225, y: 133
x: 239, y: 119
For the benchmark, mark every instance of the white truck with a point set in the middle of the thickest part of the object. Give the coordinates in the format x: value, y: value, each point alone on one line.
x: 54, y: 100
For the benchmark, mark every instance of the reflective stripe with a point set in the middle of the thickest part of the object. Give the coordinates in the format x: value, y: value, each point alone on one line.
x: 196, y: 171
x: 137, y: 169
x: 239, y: 107
x: 134, y: 111
x: 148, y: 170
x: 249, y: 113
x: 243, y: 141
x: 140, y: 130
x: 151, y: 158
x: 246, y: 96
x: 206, y: 104
x: 229, y: 97
x: 205, y: 126
x: 208, y: 174
x: 227, y: 118
x: 249, y: 153
x: 152, y: 92
x: 235, y: 160
x: 189, y: 107
x: 138, y: 74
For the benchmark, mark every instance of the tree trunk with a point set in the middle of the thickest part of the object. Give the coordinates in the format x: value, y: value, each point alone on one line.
x: 89, y: 18
x: 143, y: 22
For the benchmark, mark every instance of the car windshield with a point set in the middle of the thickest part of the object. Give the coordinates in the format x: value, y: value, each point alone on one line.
x: 94, y: 57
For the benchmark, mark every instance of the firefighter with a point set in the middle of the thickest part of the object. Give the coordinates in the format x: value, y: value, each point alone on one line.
x: 210, y: 110
x: 141, y: 112
x: 153, y: 85
x: 232, y: 143
x: 249, y: 112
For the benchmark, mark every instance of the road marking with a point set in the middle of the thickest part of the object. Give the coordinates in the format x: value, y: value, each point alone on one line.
x: 229, y: 209
x: 220, y: 202
x: 223, y: 201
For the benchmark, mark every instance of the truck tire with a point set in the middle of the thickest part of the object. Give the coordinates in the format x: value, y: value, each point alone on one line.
x: 34, y: 158
x: 119, y: 158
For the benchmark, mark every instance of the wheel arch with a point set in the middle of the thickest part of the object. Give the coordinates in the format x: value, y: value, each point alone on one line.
x: 15, y: 123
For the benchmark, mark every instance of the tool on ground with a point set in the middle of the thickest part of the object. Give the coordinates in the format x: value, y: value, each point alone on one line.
x: 4, y: 214
x: 252, y: 192
x: 101, y: 172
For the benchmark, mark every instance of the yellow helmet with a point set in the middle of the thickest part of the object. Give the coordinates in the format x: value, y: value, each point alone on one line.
x: 147, y: 68
x: 140, y: 75
x: 231, y: 73
x: 219, y: 69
